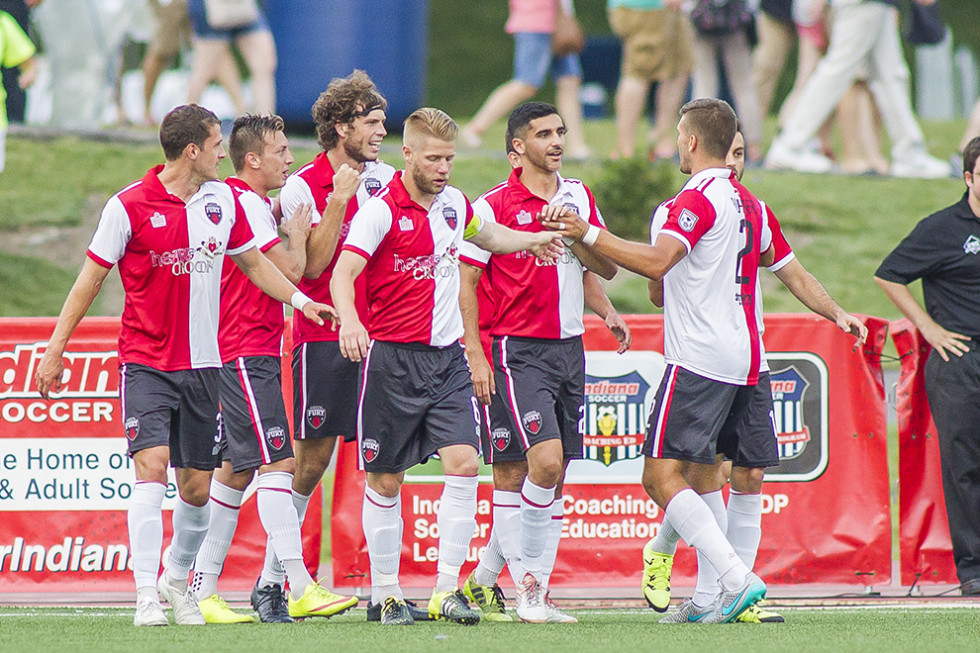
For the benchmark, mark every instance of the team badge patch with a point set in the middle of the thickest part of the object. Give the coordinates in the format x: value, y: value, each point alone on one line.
x: 571, y: 207
x: 276, y: 437
x: 524, y: 218
x: 532, y: 421
x: 369, y: 449
x: 213, y: 211
x: 372, y: 185
x: 158, y: 220
x: 132, y: 427
x: 405, y: 224
x: 500, y: 438
x: 449, y: 213
x: 315, y: 416
x: 687, y: 220
x: 972, y: 245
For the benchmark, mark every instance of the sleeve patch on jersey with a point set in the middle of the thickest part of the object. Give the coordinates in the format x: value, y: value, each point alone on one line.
x: 687, y: 220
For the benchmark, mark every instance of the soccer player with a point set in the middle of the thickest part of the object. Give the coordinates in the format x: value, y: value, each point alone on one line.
x: 415, y: 397
x: 169, y: 233
x: 254, y: 428
x: 741, y: 518
x: 539, y: 360
x: 481, y: 586
x: 711, y: 242
x: 349, y: 117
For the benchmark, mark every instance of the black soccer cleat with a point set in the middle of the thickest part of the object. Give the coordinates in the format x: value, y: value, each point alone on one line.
x: 270, y: 602
x: 395, y: 612
x: 418, y: 614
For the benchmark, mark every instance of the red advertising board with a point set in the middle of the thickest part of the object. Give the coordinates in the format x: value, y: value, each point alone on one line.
x: 65, y: 476
x: 826, y: 506
x: 925, y: 549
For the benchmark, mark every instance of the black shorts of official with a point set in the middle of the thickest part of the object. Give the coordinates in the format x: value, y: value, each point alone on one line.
x: 254, y: 428
x: 414, y: 400
x: 540, y: 396
x: 695, y: 418
x: 176, y: 409
x: 325, y: 388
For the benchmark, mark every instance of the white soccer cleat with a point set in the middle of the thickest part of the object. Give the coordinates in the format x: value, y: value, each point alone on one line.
x: 798, y: 159
x: 149, y: 613
x: 555, y: 615
x: 186, y: 612
x: 920, y: 165
x: 531, y: 606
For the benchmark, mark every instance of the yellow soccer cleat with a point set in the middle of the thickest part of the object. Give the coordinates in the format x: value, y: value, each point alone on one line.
x: 452, y: 606
x: 318, y: 601
x: 758, y: 614
x: 216, y: 611
x: 489, y: 598
x: 656, y: 577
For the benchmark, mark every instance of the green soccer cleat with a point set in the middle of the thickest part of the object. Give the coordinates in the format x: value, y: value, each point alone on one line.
x: 758, y: 614
x: 395, y: 612
x: 490, y: 599
x: 656, y: 577
x: 318, y: 601
x: 216, y: 611
x: 452, y: 606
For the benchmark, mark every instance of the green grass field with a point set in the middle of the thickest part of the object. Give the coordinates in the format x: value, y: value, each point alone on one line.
x: 109, y: 630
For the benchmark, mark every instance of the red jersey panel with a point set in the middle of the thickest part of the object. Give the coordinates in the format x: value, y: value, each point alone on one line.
x: 170, y: 257
x: 251, y: 321
x: 532, y: 299
x: 313, y: 184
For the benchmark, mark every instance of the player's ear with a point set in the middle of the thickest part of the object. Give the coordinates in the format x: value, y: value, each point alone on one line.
x: 252, y: 160
x: 191, y: 150
x: 341, y: 128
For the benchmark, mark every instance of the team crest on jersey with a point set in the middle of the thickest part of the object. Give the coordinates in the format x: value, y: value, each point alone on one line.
x: 532, y: 421
x: 687, y: 220
x: 615, y: 412
x: 213, y: 211
x: 132, y: 427
x: 370, y: 449
x: 500, y: 438
x: 315, y: 416
x: 524, y: 217
x: 972, y: 245
x: 372, y: 185
x: 571, y: 207
x: 158, y: 220
x: 449, y: 213
x: 210, y: 247
x: 799, y: 416
x: 276, y: 437
x: 405, y: 224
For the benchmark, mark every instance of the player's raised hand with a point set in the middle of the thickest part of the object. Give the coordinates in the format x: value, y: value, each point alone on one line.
x: 621, y: 330
x: 850, y: 324
x: 549, y: 247
x: 482, y: 376
x: 345, y: 182
x: 299, y: 225
x: 353, y: 340
x: 567, y: 223
x: 49, y: 373
x: 317, y: 313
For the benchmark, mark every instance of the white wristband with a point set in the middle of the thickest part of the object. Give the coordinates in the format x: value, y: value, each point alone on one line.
x: 591, y: 235
x: 299, y: 300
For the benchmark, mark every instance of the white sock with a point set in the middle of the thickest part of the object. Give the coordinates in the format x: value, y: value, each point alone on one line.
x: 145, y: 520
x: 381, y: 517
x: 190, y: 529
x: 491, y: 563
x: 225, y: 504
x: 507, y: 526
x: 551, y: 543
x: 536, y: 502
x: 273, y: 495
x: 745, y: 525
x: 692, y: 518
x: 666, y: 539
x: 457, y: 521
x: 707, y: 587
x: 272, y: 571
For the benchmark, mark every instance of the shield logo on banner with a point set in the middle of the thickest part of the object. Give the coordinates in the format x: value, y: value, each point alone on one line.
x: 449, y: 213
x: 276, y: 437
x: 372, y: 185
x: 615, y: 417
x: 800, y: 410
x: 315, y: 416
x: 532, y: 421
x: 792, y: 433
x: 500, y: 438
x: 132, y: 427
x: 369, y: 449
x: 213, y: 211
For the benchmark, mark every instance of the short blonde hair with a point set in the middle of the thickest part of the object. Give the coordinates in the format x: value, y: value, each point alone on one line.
x: 429, y: 122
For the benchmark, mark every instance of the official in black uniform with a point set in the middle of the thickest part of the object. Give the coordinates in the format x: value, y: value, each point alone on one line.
x: 944, y: 251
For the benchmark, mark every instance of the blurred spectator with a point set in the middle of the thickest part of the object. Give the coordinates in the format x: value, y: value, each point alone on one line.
x: 732, y: 46
x: 16, y: 51
x: 532, y: 22
x: 16, y: 97
x: 776, y: 32
x: 972, y: 131
x: 656, y: 40
x: 212, y: 51
x: 172, y: 29
x: 864, y: 33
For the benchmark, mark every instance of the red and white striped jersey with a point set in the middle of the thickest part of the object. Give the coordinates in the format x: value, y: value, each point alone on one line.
x: 412, y: 270
x: 170, y: 257
x: 313, y: 184
x: 251, y: 321
x: 712, y: 299
x: 532, y: 299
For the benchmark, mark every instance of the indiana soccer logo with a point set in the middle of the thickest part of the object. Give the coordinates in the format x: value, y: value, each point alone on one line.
x: 799, y: 416
x: 615, y: 417
x: 792, y: 434
x: 315, y: 416
x: 369, y: 449
x: 276, y: 437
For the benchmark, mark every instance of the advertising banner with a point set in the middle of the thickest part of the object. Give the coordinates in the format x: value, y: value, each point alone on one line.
x: 825, y: 507
x: 66, y: 477
x: 925, y: 549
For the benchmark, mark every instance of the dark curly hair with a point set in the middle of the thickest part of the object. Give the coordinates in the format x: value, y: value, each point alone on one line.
x: 344, y: 100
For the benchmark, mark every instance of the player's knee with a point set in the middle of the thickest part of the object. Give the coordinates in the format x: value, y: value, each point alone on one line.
x: 747, y: 480
x: 287, y: 466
